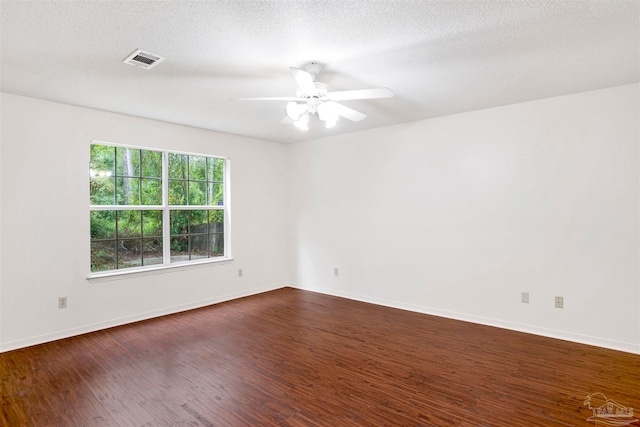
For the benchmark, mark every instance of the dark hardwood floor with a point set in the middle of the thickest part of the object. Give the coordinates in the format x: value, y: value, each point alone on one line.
x: 296, y: 358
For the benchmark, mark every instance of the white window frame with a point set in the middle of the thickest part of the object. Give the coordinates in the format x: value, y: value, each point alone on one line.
x: 166, y: 209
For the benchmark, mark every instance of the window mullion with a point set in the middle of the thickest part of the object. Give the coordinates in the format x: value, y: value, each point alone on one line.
x: 226, y: 206
x: 141, y: 230
x: 126, y: 207
x: 117, y: 253
x: 166, y: 217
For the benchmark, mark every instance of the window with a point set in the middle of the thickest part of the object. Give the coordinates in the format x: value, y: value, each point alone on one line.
x: 155, y: 208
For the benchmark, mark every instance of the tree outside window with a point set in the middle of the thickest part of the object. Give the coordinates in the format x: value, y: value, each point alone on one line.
x: 139, y: 219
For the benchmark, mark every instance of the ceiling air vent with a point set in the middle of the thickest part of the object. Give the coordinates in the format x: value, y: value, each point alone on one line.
x: 143, y: 59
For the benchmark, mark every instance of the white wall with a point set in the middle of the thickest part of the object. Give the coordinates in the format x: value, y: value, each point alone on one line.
x: 45, y: 222
x: 453, y: 216
x: 458, y: 215
x: 1, y: 341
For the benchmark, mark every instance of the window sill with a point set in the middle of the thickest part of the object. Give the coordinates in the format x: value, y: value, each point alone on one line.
x: 152, y: 270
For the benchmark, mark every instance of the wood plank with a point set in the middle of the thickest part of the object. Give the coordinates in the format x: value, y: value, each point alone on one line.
x: 13, y: 412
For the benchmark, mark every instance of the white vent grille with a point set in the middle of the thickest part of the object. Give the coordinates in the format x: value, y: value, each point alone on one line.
x: 143, y: 59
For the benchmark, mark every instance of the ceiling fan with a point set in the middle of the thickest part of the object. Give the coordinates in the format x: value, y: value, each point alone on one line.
x: 313, y: 98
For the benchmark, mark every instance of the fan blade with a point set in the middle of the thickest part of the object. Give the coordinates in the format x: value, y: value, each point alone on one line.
x: 272, y: 98
x: 346, y: 112
x: 360, y: 94
x: 304, y: 80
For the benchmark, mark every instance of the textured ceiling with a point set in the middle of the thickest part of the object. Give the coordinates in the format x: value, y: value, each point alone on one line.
x: 440, y: 57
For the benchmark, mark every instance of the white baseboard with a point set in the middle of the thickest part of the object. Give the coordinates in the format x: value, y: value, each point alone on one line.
x: 530, y: 329
x: 53, y: 336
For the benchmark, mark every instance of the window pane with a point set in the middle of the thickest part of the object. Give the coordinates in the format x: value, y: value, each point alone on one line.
x: 216, y: 244
x: 210, y: 168
x: 197, y: 193
x: 152, y: 251
x: 129, y: 253
x: 103, y: 225
x: 198, y: 246
x: 216, y: 196
x: 179, y: 222
x: 102, y: 190
x: 103, y: 255
x: 197, y: 168
x: 177, y: 192
x: 152, y: 223
x: 101, y: 160
x: 215, y: 169
x: 178, y: 166
x: 129, y: 224
x: 127, y: 191
x: 198, y: 222
x: 151, y: 192
x: 179, y: 249
x: 151, y: 164
x: 218, y: 171
x: 216, y: 221
x: 127, y: 162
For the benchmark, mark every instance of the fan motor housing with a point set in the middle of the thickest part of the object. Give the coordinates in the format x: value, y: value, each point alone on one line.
x: 321, y: 91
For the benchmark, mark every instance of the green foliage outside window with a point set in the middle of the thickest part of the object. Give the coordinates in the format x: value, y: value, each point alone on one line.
x: 195, y: 180
x: 124, y: 238
x: 196, y: 234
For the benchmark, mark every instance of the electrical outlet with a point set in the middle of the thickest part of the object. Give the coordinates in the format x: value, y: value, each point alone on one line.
x: 525, y: 297
x: 336, y: 272
x: 559, y: 302
x: 62, y: 302
x: 239, y: 272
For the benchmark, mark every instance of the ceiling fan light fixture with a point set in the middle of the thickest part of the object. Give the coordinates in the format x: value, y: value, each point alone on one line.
x: 331, y: 123
x: 327, y: 114
x: 302, y: 123
x: 313, y: 97
x: 295, y: 110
